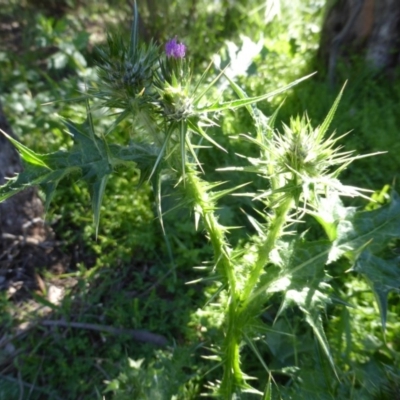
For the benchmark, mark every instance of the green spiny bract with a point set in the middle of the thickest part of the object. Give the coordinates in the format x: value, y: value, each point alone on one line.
x: 307, y: 164
x: 173, y: 85
x: 176, y: 104
x: 126, y: 74
x: 302, y: 150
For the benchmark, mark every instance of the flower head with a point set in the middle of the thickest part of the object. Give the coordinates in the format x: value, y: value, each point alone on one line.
x: 175, y: 49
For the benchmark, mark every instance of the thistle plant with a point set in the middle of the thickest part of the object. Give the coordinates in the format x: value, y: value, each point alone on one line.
x: 154, y: 88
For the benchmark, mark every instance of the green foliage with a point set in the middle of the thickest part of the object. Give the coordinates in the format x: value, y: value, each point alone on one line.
x: 164, y: 378
x: 284, y: 303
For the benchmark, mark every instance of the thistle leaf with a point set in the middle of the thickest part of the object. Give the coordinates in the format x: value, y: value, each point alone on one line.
x: 26, y: 154
x: 261, y: 122
x: 90, y: 156
x: 328, y: 119
x: 198, y: 129
x: 362, y: 237
x: 331, y: 210
x: 303, y: 282
x: 242, y: 95
x: 377, y: 227
x: 267, y: 395
x: 383, y: 276
x: 244, y: 102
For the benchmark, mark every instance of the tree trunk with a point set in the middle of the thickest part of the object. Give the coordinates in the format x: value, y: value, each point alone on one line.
x: 21, y: 214
x: 366, y: 28
x: 26, y: 243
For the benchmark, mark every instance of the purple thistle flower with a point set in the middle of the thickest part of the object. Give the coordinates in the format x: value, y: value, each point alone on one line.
x: 175, y: 49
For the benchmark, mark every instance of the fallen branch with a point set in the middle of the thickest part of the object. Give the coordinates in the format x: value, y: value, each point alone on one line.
x: 137, y: 334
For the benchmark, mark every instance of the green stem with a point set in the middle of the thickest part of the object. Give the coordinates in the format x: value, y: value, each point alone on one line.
x: 204, y: 205
x: 233, y: 376
x: 273, y: 235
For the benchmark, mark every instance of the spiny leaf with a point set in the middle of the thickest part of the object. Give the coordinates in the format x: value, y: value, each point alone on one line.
x: 182, y: 143
x: 26, y: 154
x: 200, y: 81
x: 90, y: 155
x: 378, y: 227
x: 50, y: 187
x: 97, y: 194
x: 315, y: 321
x: 261, y: 122
x: 233, y: 104
x: 252, y: 345
x: 311, y: 302
x: 198, y: 129
x: 161, y: 152
x: 303, y: 283
x: 361, y: 236
x: 217, y: 195
x: 241, y: 94
x: 268, y: 390
x: 301, y: 265
x: 328, y: 119
x: 208, y: 87
x: 383, y: 276
x: 329, y: 212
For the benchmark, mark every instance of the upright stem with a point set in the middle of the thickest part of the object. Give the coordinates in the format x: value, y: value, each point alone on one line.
x: 273, y: 235
x: 204, y: 205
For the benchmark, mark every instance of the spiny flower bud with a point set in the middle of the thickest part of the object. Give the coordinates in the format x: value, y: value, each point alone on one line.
x: 174, y: 83
x: 125, y: 74
x: 304, y: 152
x: 176, y: 103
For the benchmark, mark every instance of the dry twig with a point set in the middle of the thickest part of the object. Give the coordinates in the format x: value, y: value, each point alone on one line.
x: 138, y: 334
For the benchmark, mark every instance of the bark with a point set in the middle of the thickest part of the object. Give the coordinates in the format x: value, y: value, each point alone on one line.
x: 22, y: 214
x: 26, y: 242
x: 369, y: 29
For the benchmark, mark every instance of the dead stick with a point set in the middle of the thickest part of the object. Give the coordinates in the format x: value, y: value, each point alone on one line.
x: 138, y: 334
